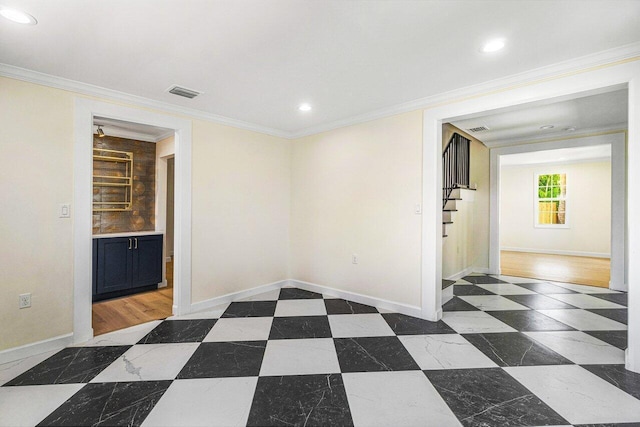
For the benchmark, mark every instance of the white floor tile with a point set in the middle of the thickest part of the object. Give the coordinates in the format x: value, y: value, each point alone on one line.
x: 585, y: 301
x: 470, y: 322
x: 265, y: 296
x: 300, y: 357
x: 445, y: 351
x: 128, y: 336
x: 584, y: 320
x: 578, y: 395
x: 211, y: 313
x: 492, y: 302
x: 240, y: 329
x: 300, y: 307
x: 385, y: 310
x: 396, y: 399
x: 10, y: 370
x: 579, y: 347
x: 329, y: 296
x: 359, y: 325
x: 148, y: 362
x: 507, y: 289
x: 28, y: 405
x: 204, y: 402
x: 585, y: 289
x: 462, y: 282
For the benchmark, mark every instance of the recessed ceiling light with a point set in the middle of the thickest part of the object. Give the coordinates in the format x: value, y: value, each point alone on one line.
x: 493, y: 45
x: 545, y: 127
x: 17, y: 16
x: 304, y: 107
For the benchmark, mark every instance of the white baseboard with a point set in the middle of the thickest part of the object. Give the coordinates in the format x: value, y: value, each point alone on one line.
x: 163, y: 284
x: 467, y: 271
x: 32, y: 349
x: 168, y: 259
x: 235, y: 296
x: 409, y: 310
x: 557, y: 252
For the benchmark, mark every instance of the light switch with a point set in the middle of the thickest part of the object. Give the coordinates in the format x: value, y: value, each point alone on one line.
x: 417, y: 209
x: 65, y: 210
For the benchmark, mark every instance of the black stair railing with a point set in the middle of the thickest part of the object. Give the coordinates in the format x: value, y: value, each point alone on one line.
x: 455, y: 166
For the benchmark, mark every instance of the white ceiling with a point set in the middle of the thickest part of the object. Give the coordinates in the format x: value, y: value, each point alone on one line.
x: 562, y: 155
x: 257, y: 60
x: 523, y: 124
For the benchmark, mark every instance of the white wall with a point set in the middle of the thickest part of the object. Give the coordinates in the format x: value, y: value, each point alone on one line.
x: 353, y: 192
x: 588, y: 210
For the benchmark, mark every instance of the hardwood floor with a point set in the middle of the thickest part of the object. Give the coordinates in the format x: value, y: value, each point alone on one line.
x: 560, y: 268
x: 133, y: 310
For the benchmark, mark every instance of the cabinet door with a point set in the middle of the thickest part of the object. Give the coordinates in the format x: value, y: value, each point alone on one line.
x: 147, y: 260
x: 114, y: 265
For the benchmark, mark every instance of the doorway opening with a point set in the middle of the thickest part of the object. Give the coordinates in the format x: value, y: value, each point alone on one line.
x: 86, y: 112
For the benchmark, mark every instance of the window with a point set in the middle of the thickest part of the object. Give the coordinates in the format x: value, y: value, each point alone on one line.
x: 551, y: 200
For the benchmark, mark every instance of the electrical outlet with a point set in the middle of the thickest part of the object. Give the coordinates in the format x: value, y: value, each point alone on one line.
x: 24, y: 301
x: 354, y: 258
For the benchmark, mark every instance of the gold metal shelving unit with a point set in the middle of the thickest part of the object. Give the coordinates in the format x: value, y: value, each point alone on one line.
x: 117, y: 167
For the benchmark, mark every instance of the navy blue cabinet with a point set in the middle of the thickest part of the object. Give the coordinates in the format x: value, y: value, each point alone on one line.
x: 126, y: 265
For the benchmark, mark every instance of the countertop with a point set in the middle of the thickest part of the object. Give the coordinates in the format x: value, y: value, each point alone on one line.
x: 126, y: 234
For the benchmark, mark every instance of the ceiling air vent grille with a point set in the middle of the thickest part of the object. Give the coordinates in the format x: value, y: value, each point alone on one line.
x: 182, y: 91
x: 478, y: 129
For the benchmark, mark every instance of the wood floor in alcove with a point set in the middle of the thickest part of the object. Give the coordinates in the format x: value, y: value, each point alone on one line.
x: 559, y: 268
x: 120, y: 313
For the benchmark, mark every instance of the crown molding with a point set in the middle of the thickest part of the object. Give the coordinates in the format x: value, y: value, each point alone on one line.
x: 114, y: 95
x: 611, y: 57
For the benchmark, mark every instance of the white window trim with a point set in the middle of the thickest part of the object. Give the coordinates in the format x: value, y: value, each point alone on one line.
x: 536, y: 177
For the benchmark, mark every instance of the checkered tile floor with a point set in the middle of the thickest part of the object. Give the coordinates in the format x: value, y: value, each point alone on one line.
x: 508, y: 351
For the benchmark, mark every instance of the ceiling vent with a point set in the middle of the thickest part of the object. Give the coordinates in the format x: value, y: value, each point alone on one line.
x: 478, y: 129
x: 183, y: 91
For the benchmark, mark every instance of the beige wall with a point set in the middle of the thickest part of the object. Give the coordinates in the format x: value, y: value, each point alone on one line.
x: 241, y: 194
x: 588, y: 209
x: 240, y: 210
x: 467, y: 244
x: 353, y: 192
x: 36, y: 249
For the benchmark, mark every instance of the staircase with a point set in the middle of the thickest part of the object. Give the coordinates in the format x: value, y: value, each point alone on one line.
x: 455, y: 176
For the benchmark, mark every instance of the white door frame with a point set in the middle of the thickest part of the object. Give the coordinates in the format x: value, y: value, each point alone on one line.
x: 85, y: 111
x: 616, y: 140
x: 622, y: 72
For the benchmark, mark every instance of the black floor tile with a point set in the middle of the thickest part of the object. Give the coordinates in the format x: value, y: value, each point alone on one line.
x: 491, y: 397
x: 546, y: 288
x: 251, y: 309
x: 515, y: 349
x: 406, y: 325
x: 456, y: 304
x: 615, y: 338
x: 617, y: 314
x: 70, y: 365
x: 225, y: 359
x: 109, y: 404
x: 295, y: 293
x: 176, y: 331
x: 309, y: 400
x: 372, y: 354
x: 466, y: 290
x: 446, y: 283
x: 529, y: 320
x: 482, y: 280
x: 300, y: 327
x: 621, y: 299
x: 340, y: 306
x: 617, y: 375
x: 539, y: 302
